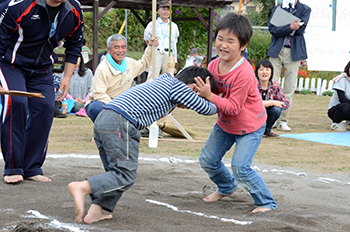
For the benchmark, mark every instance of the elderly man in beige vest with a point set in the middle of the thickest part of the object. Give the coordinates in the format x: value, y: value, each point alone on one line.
x: 116, y: 73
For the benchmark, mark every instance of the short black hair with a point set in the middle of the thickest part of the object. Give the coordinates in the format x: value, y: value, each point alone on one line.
x: 346, y: 69
x: 239, y: 25
x: 188, y: 74
x: 266, y: 64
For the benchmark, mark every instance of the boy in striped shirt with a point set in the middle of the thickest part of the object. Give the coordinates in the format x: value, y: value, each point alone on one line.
x: 117, y: 135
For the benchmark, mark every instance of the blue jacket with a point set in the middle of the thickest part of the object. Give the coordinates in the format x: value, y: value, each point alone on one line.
x: 25, y: 33
x: 297, y: 41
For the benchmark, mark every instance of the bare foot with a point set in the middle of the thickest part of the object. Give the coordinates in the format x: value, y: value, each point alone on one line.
x: 260, y: 209
x: 13, y: 179
x: 39, y: 178
x: 79, y: 190
x: 214, y: 197
x: 95, y: 214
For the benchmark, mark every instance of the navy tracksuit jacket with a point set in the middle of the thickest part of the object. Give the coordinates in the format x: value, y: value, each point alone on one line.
x: 26, y: 56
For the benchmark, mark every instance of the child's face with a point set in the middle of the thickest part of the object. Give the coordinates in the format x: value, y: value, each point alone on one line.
x: 264, y: 73
x: 228, y: 47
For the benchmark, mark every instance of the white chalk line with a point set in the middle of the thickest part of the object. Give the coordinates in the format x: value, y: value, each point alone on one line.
x: 175, y: 160
x: 53, y: 222
x: 176, y: 209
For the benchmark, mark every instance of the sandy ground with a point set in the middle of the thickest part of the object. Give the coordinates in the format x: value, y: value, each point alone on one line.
x: 167, y: 196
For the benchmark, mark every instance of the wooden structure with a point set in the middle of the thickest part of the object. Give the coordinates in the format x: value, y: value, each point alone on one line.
x: 146, y: 5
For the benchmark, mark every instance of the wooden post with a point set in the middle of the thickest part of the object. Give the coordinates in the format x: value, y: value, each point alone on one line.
x: 154, y: 34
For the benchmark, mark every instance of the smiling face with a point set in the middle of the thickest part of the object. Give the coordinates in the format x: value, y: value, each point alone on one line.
x: 117, y: 50
x: 164, y: 13
x: 264, y: 74
x: 228, y: 47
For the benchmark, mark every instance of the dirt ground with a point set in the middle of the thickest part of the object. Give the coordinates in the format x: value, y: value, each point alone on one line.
x: 310, y: 182
x: 167, y: 196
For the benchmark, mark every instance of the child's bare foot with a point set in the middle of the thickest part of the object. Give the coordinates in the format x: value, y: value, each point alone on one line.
x: 78, y: 191
x: 13, y: 179
x: 260, y: 209
x: 213, y: 197
x: 39, y: 178
x: 95, y: 214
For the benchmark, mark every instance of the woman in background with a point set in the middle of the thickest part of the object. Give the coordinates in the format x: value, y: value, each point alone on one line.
x: 339, y: 106
x: 271, y: 94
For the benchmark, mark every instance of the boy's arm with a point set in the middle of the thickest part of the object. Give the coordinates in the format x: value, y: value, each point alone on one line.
x: 233, y: 101
x: 184, y: 95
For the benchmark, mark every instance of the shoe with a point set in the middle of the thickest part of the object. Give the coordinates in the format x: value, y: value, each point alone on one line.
x: 274, y: 125
x: 284, y: 127
x: 81, y: 113
x: 57, y: 113
x: 339, y: 127
x: 347, y: 123
x: 271, y: 134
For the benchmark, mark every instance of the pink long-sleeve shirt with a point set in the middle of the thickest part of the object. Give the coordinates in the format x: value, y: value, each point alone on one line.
x: 240, y: 107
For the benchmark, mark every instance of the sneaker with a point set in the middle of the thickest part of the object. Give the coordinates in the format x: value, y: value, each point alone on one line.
x: 274, y: 125
x: 271, y: 134
x: 339, y: 127
x: 284, y: 127
x: 347, y: 123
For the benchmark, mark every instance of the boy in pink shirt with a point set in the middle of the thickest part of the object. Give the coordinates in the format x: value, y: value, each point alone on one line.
x: 241, y: 115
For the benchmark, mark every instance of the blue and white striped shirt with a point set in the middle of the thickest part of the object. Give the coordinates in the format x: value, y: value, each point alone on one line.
x: 150, y: 101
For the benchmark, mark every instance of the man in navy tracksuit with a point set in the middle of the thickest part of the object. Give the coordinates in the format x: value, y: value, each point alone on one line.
x: 29, y: 32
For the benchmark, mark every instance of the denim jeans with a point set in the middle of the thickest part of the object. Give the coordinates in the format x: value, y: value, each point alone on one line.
x: 218, y: 143
x: 118, y: 143
x: 93, y: 109
x: 273, y: 113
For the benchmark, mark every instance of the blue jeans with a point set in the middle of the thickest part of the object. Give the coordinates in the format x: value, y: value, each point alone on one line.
x: 93, y: 109
x: 218, y: 143
x: 273, y: 113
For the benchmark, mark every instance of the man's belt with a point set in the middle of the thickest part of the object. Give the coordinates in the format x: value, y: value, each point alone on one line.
x: 164, y: 49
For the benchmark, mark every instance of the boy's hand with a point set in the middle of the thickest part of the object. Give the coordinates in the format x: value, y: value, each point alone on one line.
x: 203, y: 89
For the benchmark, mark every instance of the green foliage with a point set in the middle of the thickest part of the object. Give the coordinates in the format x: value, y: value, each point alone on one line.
x: 305, y: 91
x: 327, y: 93
x: 258, y: 46
x: 192, y: 33
x: 110, y: 24
x: 262, y: 15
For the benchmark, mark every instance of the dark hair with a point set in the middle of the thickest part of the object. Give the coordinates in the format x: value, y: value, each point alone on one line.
x: 239, y: 25
x: 82, y: 69
x: 266, y: 64
x: 346, y: 69
x: 188, y: 74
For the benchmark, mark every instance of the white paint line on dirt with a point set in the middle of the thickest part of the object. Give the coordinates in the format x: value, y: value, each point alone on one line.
x: 175, y: 160
x: 54, y: 223
x: 176, y: 209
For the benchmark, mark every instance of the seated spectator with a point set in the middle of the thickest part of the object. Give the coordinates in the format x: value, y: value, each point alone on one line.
x: 271, y: 93
x: 194, y: 59
x: 85, y: 50
x: 80, y: 87
x: 116, y: 73
x: 339, y: 106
